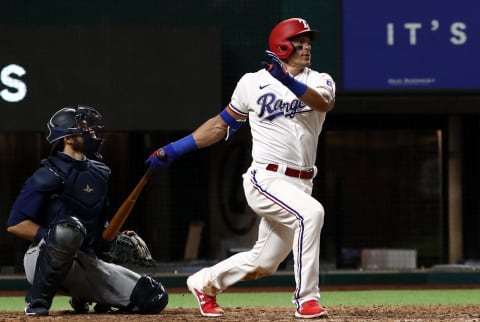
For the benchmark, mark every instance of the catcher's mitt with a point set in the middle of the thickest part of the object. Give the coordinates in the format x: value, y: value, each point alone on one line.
x: 129, y: 249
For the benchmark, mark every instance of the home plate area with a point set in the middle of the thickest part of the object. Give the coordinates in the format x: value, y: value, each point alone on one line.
x: 337, y: 313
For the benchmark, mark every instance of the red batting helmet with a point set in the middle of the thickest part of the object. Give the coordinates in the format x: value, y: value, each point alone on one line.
x: 281, y: 34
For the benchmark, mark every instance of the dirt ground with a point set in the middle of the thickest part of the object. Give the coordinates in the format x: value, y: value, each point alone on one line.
x: 455, y: 313
x: 337, y: 313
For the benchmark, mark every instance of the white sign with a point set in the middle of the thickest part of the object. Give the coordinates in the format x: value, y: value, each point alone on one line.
x: 15, y: 89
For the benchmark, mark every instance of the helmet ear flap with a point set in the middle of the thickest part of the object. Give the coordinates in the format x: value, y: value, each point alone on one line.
x: 57, y: 145
x: 284, y: 50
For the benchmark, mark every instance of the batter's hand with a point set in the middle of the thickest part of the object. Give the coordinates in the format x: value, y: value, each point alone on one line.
x: 275, y: 68
x: 161, y: 157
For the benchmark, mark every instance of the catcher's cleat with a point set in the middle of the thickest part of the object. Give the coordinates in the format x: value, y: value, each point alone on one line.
x: 207, y: 304
x: 35, y: 310
x: 102, y: 308
x: 79, y: 306
x: 310, y: 309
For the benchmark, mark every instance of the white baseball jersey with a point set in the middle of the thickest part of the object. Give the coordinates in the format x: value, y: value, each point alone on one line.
x: 284, y: 129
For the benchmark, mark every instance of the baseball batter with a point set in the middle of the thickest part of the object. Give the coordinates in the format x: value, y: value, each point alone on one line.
x: 62, y: 211
x: 285, y: 104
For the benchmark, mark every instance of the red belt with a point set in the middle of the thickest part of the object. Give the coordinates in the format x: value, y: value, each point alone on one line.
x: 302, y: 174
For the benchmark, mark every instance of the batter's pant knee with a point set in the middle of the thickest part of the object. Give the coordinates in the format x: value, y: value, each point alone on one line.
x: 260, y: 272
x: 55, y: 259
x: 148, y: 296
x: 314, y: 218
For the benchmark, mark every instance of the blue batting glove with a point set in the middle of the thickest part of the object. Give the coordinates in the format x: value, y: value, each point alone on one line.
x: 276, y: 69
x: 162, y: 157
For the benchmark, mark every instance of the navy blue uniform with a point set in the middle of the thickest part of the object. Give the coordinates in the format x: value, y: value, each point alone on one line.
x: 65, y: 187
x: 68, y: 199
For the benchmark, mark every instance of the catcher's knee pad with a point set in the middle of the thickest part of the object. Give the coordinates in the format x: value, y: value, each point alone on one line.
x: 148, y: 296
x: 66, y: 235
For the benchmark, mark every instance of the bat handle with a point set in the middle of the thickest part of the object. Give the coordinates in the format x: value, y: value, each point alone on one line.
x: 148, y: 172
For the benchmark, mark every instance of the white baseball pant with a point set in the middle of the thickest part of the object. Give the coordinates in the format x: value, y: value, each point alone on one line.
x: 290, y: 219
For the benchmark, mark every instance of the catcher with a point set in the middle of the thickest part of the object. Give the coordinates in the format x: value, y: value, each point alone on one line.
x: 62, y: 211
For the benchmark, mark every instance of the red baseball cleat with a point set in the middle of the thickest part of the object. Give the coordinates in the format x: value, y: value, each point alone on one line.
x: 310, y: 309
x: 207, y: 304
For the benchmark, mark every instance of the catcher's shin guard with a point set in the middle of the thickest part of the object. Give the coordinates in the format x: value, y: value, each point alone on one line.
x: 148, y: 296
x: 55, y: 260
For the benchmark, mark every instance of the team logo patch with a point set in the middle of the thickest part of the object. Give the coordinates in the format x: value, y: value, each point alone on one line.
x: 87, y: 189
x: 271, y: 107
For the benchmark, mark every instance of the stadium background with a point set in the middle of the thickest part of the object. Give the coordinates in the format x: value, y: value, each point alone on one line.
x: 396, y: 169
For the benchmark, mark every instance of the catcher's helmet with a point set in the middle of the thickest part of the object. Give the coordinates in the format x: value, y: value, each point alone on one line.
x: 279, y: 41
x: 75, y: 120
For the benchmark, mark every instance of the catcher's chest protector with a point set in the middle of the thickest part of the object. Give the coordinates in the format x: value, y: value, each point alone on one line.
x: 84, y: 192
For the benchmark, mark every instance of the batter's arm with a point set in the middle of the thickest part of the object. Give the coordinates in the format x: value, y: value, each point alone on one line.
x: 209, y: 133
x: 214, y: 129
x: 321, y: 101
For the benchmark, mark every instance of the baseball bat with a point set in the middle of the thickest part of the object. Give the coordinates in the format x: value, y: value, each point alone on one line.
x: 126, y: 207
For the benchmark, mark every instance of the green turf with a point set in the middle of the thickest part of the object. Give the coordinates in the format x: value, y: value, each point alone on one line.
x: 329, y: 298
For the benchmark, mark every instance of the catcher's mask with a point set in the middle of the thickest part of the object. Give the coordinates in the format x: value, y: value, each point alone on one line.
x: 281, y: 35
x: 81, y: 119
